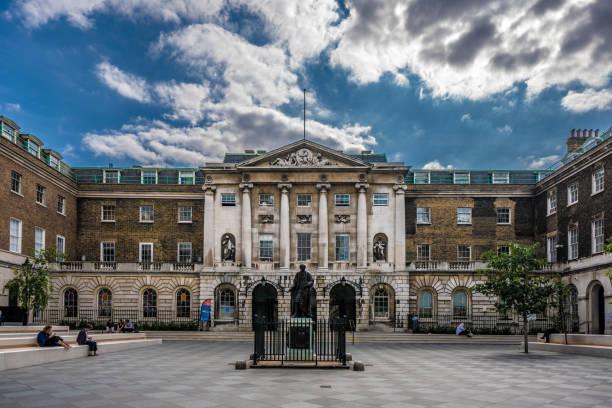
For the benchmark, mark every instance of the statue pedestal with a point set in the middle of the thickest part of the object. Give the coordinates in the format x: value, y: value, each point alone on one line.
x: 300, y: 339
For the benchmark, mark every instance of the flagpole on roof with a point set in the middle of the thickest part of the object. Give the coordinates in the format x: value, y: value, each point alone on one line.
x: 304, y: 113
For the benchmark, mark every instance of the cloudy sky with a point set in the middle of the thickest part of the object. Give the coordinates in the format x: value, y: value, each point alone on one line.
x: 436, y: 84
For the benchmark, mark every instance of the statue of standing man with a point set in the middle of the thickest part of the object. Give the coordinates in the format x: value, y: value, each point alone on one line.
x: 302, y: 296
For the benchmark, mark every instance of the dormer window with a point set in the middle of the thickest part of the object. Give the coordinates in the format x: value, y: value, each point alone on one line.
x: 148, y: 177
x: 421, y: 177
x: 186, y: 177
x: 501, y: 177
x: 111, y: 177
x: 32, y: 148
x: 461, y: 177
x: 8, y: 132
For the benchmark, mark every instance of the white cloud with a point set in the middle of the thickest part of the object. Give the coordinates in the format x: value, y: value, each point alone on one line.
x: 504, y: 130
x: 10, y: 107
x: 436, y: 165
x: 466, y: 118
x: 188, y: 101
x: 588, y: 100
x: 127, y: 85
x: 538, y: 163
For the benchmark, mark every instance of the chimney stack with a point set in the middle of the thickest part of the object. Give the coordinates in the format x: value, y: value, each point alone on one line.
x: 577, y: 137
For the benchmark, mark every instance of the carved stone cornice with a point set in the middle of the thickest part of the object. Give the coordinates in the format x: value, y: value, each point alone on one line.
x: 284, y: 187
x: 209, y: 188
x: 323, y: 187
x: 245, y: 187
x: 362, y: 187
x: 400, y: 188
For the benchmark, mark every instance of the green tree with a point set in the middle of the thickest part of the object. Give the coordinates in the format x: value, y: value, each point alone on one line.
x: 511, y: 278
x: 31, y: 283
x: 608, y: 249
x: 561, y: 301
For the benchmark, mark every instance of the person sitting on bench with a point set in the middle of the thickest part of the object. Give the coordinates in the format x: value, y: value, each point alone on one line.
x: 46, y: 338
x: 83, y: 339
x: 129, y: 326
x: 462, y: 331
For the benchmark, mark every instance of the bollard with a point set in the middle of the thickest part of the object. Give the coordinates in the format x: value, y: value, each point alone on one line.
x: 358, y: 366
x: 241, y: 365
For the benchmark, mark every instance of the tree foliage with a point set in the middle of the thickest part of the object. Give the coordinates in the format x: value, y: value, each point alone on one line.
x: 608, y: 249
x: 31, y: 282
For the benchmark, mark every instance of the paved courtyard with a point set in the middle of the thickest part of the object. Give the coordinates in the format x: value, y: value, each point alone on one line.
x: 201, y: 374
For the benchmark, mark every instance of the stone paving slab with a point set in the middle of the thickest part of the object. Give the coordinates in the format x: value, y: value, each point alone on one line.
x: 202, y: 375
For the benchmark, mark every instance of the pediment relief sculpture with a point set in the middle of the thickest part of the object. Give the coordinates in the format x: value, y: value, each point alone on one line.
x: 302, y: 158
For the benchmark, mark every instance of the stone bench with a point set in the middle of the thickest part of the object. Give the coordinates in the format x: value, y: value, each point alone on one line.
x: 593, y: 351
x: 579, y: 339
x: 21, y: 341
x: 30, y: 329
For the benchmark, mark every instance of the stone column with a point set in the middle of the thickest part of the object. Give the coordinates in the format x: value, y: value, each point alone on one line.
x: 362, y: 226
x: 208, y: 256
x: 400, y: 227
x: 323, y: 227
x: 246, y: 226
x: 284, y: 238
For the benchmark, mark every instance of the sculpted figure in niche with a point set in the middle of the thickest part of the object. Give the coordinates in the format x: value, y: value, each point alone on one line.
x: 228, y: 248
x: 380, y: 250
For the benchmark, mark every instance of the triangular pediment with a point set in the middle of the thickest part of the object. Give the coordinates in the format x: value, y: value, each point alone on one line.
x: 304, y: 154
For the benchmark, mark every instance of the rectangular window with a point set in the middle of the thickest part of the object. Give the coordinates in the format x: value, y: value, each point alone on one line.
x: 304, y: 200
x: 266, y: 199
x: 597, y: 233
x: 461, y: 177
x: 40, y: 194
x: 464, y: 215
x: 145, y: 254
x: 551, y: 249
x: 598, y: 180
x: 501, y: 177
x: 464, y: 253
x: 39, y: 240
x: 266, y: 248
x: 15, y: 236
x: 146, y: 213
x: 53, y: 162
x: 15, y: 182
x: 148, y: 177
x: 32, y: 148
x: 186, y: 177
x: 342, y: 247
x: 551, y: 202
x: 185, y: 215
x: 342, y: 200
x: 108, y: 213
x: 228, y: 199
x: 503, y: 250
x: 303, y: 246
x: 423, y: 252
x: 107, y: 251
x: 421, y: 177
x: 61, y: 204
x: 503, y: 215
x: 572, y: 194
x: 8, y: 132
x: 423, y: 215
x: 381, y: 199
x: 572, y: 242
x: 60, y: 248
x: 111, y: 177
x: 184, y: 252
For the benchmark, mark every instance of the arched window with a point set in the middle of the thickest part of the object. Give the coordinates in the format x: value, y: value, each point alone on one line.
x: 460, y: 304
x: 149, y: 303
x: 71, y: 303
x: 105, y: 302
x: 183, y: 303
x: 226, y: 303
x: 426, y: 304
x: 381, y: 303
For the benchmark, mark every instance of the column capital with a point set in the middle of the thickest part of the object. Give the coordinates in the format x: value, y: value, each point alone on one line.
x: 362, y: 187
x: 323, y: 187
x: 284, y: 187
x: 245, y: 187
x: 209, y: 188
x: 400, y: 188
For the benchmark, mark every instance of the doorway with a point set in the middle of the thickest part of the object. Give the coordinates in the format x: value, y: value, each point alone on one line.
x: 265, y: 303
x: 342, y: 303
x: 598, y: 309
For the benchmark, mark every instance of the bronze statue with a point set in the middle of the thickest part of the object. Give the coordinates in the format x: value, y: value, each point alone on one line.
x: 303, y: 294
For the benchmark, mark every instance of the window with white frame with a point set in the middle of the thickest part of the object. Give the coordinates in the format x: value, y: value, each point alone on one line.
x: 39, y: 240
x: 425, y: 304
x: 461, y: 177
x: 8, y: 132
x: 185, y: 215
x: 32, y: 148
x: 598, y: 180
x: 597, y: 234
x: 464, y: 253
x: 15, y: 235
x: 572, y: 242
x: 423, y: 252
x: 53, y: 162
x: 186, y: 177
x: 342, y: 200
x: 423, y: 215
x: 145, y: 252
x: 503, y: 215
x: 184, y: 252
x: 108, y: 213
x: 15, y: 182
x: 111, y: 176
x: 464, y: 215
x: 266, y: 248
x: 572, y: 194
x: 146, y: 213
x: 107, y: 251
x: 503, y: 250
x: 40, y: 194
x: 551, y: 249
x: 342, y: 247
x: 380, y: 199
x: 148, y: 176
x: 421, y: 177
x: 381, y: 303
x: 228, y: 199
x: 303, y: 246
x: 266, y: 199
x: 61, y: 205
x: 551, y: 202
x: 501, y: 177
x: 304, y: 200
x: 60, y: 248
